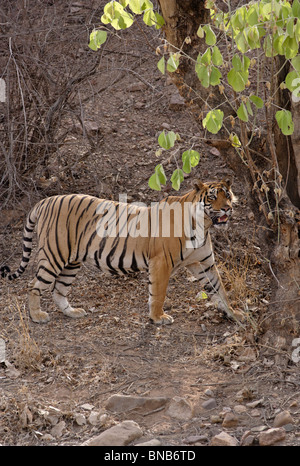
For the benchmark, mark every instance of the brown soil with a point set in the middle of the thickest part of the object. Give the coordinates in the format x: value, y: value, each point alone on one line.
x: 60, y: 366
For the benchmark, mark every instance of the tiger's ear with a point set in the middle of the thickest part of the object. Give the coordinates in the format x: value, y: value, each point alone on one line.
x: 198, y: 185
x: 227, y: 181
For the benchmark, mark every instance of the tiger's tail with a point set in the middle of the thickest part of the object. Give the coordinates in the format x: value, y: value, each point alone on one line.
x: 27, y: 247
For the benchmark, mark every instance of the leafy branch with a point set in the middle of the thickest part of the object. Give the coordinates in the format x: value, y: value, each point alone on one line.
x: 270, y: 26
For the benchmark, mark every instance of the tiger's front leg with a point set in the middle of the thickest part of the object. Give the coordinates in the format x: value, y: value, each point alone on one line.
x: 159, y: 274
x: 209, y: 276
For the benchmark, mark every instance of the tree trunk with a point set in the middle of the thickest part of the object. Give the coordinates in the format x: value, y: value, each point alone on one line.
x: 182, y: 18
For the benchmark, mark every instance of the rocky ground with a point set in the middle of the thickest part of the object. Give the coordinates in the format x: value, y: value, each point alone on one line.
x: 112, y: 377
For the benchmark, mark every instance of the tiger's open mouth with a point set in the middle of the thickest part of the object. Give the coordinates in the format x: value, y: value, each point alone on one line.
x: 220, y: 220
x: 223, y: 219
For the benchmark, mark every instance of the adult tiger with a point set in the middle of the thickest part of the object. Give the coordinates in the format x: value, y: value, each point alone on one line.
x: 123, y: 238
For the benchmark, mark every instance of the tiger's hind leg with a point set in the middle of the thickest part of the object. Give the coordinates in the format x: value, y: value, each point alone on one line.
x: 43, y: 281
x: 61, y: 289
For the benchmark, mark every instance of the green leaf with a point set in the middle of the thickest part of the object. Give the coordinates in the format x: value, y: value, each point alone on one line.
x: 296, y: 8
x: 249, y: 109
x: 242, y: 112
x: 269, y: 47
x: 296, y: 63
x: 215, y: 76
x: 203, y: 74
x: 292, y: 82
x: 205, y: 58
x: 173, y: 62
x: 213, y: 121
x: 238, y: 20
x: 210, y: 37
x: 200, y: 32
x: 297, y: 29
x: 216, y: 57
x: 159, y: 21
x: 158, y: 178
x: 252, y: 15
x: 149, y: 18
x: 257, y: 101
x: 241, y: 42
x: 237, y: 80
x: 139, y: 6
x: 190, y: 158
x: 136, y: 6
x: 252, y: 35
x: 154, y: 182
x: 161, y: 65
x: 115, y: 14
x: 201, y: 295
x: 290, y: 47
x: 234, y: 139
x: 176, y: 178
x: 97, y: 38
x: 290, y: 27
x: 277, y: 44
x: 236, y: 63
x: 285, y: 121
x: 167, y: 140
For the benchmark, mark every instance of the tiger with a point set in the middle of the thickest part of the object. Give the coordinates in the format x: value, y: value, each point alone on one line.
x: 121, y: 238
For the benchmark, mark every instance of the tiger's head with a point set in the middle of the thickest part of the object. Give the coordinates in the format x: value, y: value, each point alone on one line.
x: 217, y: 199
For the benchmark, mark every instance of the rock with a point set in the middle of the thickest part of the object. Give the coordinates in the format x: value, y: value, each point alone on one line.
x: 240, y: 409
x: 247, y: 439
x: 209, y: 404
x: 271, y: 436
x: 180, y: 409
x: 120, y: 435
x: 57, y: 430
x: 255, y: 413
x: 223, y: 440
x: 124, y: 403
x: 166, y: 126
x: 80, y: 419
x: 103, y: 419
x: 283, y: 418
x: 294, y: 404
x: 215, y: 419
x: 195, y: 438
x: 289, y: 427
x: 150, y: 443
x: 255, y: 403
x: 176, y: 102
x: 87, y: 407
x: 209, y: 392
x: 47, y: 438
x: 230, y: 420
x: 94, y: 418
x: 258, y: 428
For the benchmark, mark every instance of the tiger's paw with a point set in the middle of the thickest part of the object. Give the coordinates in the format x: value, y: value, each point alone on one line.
x: 74, y: 313
x: 39, y: 317
x: 164, y: 319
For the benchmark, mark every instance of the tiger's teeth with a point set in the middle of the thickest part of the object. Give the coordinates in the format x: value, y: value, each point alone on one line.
x: 222, y: 219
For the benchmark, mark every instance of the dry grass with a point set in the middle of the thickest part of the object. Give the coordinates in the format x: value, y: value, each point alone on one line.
x: 239, y: 273
x: 26, y: 353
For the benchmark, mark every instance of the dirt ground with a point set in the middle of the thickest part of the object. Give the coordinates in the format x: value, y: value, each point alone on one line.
x: 52, y: 371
